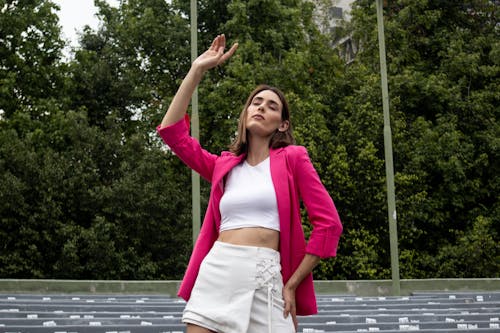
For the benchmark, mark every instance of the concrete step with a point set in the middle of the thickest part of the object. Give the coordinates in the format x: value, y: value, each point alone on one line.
x: 427, y: 312
x: 378, y: 326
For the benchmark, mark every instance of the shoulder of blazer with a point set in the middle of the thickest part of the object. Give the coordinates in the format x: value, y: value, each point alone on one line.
x: 295, y: 149
x: 227, y: 154
x: 291, y: 150
x: 294, y: 153
x: 228, y: 158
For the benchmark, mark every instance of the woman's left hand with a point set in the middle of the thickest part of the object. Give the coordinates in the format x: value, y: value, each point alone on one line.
x: 289, y: 298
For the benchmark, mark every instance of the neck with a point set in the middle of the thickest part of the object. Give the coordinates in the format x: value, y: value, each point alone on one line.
x: 258, y: 150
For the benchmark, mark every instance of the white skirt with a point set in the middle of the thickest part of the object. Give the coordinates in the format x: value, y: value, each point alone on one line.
x: 239, y: 290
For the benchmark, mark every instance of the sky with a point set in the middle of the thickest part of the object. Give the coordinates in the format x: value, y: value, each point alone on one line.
x: 75, y: 14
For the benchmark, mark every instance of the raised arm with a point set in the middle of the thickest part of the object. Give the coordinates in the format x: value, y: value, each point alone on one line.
x: 210, y: 58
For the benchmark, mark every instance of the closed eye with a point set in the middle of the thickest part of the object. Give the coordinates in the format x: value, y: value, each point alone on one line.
x: 273, y: 106
x: 257, y: 101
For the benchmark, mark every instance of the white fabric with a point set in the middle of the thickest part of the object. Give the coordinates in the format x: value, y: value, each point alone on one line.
x: 239, y: 290
x: 249, y: 198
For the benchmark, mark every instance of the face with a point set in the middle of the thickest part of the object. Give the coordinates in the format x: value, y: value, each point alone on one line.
x: 263, y: 116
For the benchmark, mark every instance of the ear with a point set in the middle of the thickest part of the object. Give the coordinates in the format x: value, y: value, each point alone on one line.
x: 284, y: 126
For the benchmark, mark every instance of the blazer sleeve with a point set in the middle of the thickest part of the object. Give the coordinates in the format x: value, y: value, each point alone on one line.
x: 321, y: 210
x: 188, y: 149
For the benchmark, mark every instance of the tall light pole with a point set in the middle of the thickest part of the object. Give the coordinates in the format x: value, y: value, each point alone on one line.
x: 389, y: 169
x: 195, y: 127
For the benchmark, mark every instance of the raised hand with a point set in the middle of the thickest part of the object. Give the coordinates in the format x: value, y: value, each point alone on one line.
x: 210, y: 58
x: 215, y: 55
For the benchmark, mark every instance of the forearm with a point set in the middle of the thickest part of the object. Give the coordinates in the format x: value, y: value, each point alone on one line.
x: 180, y: 102
x: 306, y: 266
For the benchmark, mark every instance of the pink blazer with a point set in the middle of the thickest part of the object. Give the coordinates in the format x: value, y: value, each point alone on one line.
x: 293, y: 177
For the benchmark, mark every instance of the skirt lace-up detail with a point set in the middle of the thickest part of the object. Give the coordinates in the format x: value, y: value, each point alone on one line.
x: 268, y: 273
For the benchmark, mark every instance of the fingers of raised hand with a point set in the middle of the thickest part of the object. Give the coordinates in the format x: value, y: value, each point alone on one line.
x: 229, y: 53
x: 222, y: 43
x: 218, y: 44
x: 215, y: 44
x: 215, y: 55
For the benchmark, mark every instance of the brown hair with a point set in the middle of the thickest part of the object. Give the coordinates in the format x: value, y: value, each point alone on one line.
x: 279, y: 139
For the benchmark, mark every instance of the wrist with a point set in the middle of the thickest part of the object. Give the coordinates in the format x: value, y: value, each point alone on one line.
x: 197, y: 69
x: 290, y: 286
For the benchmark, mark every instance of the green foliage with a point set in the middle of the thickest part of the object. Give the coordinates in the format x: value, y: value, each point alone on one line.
x: 82, y: 202
x: 442, y: 79
x: 88, y: 191
x: 30, y: 50
x: 476, y: 252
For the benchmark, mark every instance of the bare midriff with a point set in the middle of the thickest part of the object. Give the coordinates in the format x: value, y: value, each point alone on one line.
x: 255, y: 236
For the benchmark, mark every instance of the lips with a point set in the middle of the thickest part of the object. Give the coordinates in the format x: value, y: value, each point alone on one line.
x: 258, y: 116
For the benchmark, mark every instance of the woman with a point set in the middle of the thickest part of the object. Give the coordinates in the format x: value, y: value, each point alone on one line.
x: 250, y: 270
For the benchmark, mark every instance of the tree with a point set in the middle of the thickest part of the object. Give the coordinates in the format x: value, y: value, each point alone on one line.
x: 30, y: 50
x: 87, y: 197
x: 88, y: 191
x: 443, y: 116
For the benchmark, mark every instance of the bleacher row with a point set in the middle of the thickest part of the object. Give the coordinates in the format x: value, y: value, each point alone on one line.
x: 424, y: 312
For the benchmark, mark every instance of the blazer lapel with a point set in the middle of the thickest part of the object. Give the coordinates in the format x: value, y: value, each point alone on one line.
x: 279, y: 174
x: 224, y: 165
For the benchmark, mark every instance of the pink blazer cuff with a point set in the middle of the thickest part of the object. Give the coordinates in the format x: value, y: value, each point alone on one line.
x: 323, y: 243
x: 170, y: 134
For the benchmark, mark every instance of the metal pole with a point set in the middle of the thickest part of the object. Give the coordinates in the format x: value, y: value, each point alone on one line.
x: 195, y: 127
x: 389, y: 169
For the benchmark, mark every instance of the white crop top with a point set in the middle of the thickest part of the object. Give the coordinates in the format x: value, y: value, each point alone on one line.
x: 249, y: 198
